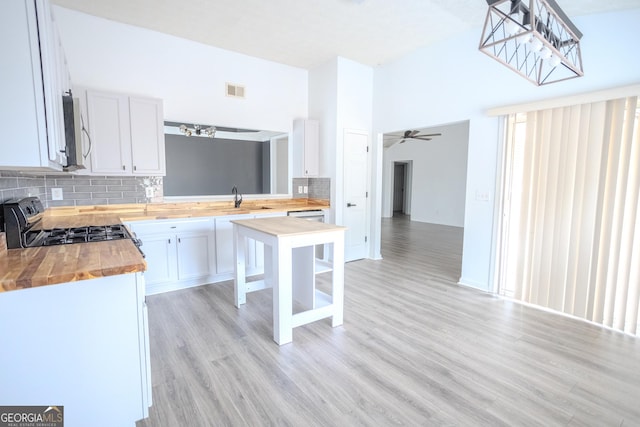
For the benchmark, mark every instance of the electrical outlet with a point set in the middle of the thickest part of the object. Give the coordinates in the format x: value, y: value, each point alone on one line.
x: 305, y: 190
x: 56, y: 194
x: 148, y: 191
x: 299, y: 189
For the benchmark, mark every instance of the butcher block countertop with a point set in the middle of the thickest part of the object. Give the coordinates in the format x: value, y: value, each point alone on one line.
x: 32, y: 267
x: 287, y: 226
x: 151, y: 211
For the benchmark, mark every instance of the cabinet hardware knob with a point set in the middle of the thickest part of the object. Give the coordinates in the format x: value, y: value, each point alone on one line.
x: 169, y: 241
x: 179, y: 241
x: 350, y: 205
x: 135, y: 168
x: 124, y: 168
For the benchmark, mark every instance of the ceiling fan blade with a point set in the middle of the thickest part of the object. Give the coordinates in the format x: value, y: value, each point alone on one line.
x: 431, y: 134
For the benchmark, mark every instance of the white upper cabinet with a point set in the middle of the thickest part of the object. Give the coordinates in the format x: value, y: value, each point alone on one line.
x: 126, y: 134
x: 108, y: 127
x: 32, y: 86
x: 147, y: 136
x: 306, y: 148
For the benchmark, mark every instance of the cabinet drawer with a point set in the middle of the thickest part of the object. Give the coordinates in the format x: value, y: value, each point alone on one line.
x: 161, y: 226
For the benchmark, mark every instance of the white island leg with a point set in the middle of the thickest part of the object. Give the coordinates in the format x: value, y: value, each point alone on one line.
x: 282, y: 294
x: 337, y: 290
x: 239, y: 278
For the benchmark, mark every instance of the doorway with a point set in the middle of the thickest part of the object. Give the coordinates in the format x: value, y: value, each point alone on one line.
x: 356, y: 192
x: 402, y: 188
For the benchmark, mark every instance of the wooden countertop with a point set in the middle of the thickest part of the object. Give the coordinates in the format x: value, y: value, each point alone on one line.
x: 286, y: 226
x: 32, y: 267
x: 151, y: 211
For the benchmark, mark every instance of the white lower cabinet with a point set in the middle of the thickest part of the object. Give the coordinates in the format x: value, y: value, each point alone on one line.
x: 179, y: 253
x: 193, y: 255
x: 82, y: 345
x: 224, y: 246
x: 224, y: 243
x: 160, y: 253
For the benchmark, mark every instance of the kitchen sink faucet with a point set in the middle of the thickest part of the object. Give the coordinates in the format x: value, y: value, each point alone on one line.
x: 236, y: 201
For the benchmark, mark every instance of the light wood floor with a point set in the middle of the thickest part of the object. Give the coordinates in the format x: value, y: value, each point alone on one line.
x: 415, y: 350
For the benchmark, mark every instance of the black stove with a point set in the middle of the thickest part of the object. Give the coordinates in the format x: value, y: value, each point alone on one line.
x: 21, y: 223
x: 62, y: 236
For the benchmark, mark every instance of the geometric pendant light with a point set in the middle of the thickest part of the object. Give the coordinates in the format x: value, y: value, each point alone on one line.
x: 534, y: 38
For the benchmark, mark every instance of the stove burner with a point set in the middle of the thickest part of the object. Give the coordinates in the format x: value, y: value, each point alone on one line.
x: 63, y: 236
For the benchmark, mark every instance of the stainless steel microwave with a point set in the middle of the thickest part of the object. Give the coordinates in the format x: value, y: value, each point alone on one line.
x: 73, y: 132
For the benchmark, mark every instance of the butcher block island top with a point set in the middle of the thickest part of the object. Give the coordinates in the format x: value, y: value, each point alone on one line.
x: 287, y: 226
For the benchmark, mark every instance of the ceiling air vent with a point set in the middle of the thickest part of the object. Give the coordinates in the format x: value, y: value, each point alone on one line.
x: 235, y: 91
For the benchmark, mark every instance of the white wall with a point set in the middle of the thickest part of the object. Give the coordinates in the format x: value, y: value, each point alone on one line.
x: 323, y: 106
x: 188, y: 76
x: 452, y: 81
x: 341, y: 97
x: 439, y: 177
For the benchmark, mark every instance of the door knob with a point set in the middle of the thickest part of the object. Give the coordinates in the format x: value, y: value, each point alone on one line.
x: 350, y: 205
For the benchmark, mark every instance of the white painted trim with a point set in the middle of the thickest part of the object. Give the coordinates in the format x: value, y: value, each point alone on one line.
x: 473, y: 284
x: 583, y: 98
x: 498, y: 206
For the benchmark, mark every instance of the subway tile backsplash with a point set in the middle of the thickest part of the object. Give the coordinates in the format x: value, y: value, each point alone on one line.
x: 317, y: 188
x: 78, y: 190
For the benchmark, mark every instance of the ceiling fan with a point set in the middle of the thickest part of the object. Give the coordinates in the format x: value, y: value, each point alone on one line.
x: 414, y: 135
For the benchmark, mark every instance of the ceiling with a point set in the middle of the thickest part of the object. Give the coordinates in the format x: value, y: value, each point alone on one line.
x: 306, y: 33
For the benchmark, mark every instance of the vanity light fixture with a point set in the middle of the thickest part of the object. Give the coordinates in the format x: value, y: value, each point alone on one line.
x: 534, y: 38
x: 197, y: 130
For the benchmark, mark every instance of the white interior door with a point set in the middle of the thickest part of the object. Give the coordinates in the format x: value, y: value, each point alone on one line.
x: 355, y: 194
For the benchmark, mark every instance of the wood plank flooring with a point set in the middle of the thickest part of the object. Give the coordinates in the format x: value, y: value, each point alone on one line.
x: 415, y: 350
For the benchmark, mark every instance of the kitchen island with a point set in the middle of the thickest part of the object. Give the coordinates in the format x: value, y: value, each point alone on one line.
x: 290, y: 270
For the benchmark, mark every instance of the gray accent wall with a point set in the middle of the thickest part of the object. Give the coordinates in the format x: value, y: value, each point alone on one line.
x: 204, y: 166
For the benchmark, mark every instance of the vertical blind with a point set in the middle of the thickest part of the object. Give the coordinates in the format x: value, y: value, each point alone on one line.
x: 571, y: 234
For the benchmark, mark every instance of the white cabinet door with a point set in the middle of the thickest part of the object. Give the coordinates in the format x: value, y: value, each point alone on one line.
x: 179, y: 252
x: 193, y: 256
x: 108, y: 117
x: 306, y: 148
x: 127, y: 133
x: 311, y: 148
x: 24, y: 115
x: 257, y: 256
x: 224, y: 245
x: 147, y: 136
x: 52, y: 69
x: 160, y: 254
x: 225, y: 258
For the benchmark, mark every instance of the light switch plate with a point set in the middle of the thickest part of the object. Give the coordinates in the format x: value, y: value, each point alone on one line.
x: 299, y: 189
x: 148, y: 191
x: 305, y: 190
x: 56, y: 194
